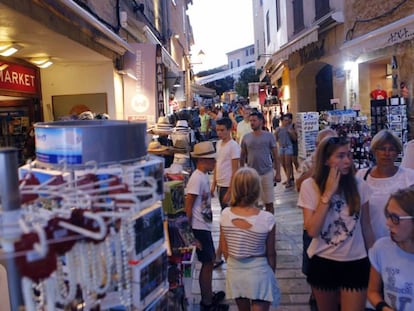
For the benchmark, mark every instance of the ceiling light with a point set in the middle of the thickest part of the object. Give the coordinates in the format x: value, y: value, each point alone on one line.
x: 41, y: 62
x: 9, y: 49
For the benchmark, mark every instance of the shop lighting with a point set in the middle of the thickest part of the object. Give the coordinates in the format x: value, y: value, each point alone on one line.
x: 41, y: 62
x: 3, y: 67
x: 8, y: 49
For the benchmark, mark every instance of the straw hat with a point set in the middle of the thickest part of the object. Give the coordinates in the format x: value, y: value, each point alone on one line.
x: 181, y: 126
x: 163, y: 126
x: 204, y: 149
x: 156, y: 146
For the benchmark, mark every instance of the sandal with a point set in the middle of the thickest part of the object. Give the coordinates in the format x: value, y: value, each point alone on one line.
x: 218, y: 264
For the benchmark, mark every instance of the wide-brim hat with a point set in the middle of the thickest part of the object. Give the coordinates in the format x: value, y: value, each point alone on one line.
x: 204, y: 149
x: 156, y: 146
x: 163, y: 126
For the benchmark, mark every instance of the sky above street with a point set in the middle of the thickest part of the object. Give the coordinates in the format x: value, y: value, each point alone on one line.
x: 219, y: 27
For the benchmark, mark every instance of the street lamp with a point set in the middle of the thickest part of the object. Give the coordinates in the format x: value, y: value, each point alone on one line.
x: 200, y: 56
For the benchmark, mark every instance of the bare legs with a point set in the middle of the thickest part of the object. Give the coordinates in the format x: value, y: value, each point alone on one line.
x: 286, y: 161
x: 244, y: 304
x: 349, y: 300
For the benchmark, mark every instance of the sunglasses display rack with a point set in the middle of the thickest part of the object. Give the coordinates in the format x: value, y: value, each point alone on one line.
x: 347, y: 124
x: 307, y: 127
x: 390, y: 113
x: 87, y: 237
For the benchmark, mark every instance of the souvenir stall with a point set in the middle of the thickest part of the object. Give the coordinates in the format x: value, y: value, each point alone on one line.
x: 89, y: 230
x: 390, y: 113
x: 307, y: 127
x: 348, y: 123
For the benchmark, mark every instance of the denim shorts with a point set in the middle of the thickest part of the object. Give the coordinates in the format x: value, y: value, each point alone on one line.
x: 287, y: 150
x: 207, y: 252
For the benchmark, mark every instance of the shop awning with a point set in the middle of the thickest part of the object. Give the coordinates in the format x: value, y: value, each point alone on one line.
x: 302, y: 40
x: 202, y: 90
x: 167, y: 59
x: 390, y: 34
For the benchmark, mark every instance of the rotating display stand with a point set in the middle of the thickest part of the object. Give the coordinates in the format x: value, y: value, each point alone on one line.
x: 88, y: 235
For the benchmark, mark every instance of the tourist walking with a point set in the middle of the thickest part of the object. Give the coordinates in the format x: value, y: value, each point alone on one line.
x: 332, y: 201
x: 259, y: 151
x: 227, y: 162
x: 247, y: 238
x: 200, y: 216
x: 392, y: 257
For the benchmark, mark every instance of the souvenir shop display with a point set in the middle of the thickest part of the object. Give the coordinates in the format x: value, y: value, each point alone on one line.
x: 347, y: 123
x: 390, y: 114
x: 307, y: 127
x: 91, y: 232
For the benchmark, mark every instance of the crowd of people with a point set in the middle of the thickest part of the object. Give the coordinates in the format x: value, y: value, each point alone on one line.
x: 358, y: 225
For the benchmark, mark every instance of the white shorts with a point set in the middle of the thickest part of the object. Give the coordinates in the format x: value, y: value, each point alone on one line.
x: 268, y: 192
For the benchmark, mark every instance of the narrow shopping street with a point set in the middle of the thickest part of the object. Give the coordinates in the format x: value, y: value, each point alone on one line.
x: 295, y: 291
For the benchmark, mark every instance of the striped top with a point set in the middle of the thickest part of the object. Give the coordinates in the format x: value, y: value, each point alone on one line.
x: 251, y: 242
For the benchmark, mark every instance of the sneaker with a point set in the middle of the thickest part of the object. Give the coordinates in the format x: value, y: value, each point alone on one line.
x: 218, y: 297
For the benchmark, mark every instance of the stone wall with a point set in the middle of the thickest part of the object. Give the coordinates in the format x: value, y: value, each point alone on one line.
x: 369, y: 9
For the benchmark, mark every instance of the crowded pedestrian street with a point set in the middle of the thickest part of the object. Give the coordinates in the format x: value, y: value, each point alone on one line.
x: 289, y: 226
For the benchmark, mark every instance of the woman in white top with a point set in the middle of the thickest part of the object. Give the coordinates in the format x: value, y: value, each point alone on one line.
x: 247, y: 238
x: 383, y: 179
x: 332, y: 201
x: 392, y: 257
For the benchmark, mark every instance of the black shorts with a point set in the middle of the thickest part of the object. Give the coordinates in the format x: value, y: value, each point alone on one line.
x: 207, y: 252
x: 326, y: 274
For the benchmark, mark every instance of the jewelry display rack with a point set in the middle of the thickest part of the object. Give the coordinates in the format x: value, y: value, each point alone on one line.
x: 88, y: 236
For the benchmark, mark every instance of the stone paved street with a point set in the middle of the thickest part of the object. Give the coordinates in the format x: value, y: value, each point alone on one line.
x: 295, y: 290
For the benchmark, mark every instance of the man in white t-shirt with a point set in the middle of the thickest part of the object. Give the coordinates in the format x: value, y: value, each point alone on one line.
x: 244, y: 127
x: 227, y: 162
x: 200, y: 217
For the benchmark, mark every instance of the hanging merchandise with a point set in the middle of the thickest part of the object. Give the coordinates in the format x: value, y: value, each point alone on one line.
x: 390, y: 114
x: 91, y: 235
x: 307, y: 126
x: 347, y: 124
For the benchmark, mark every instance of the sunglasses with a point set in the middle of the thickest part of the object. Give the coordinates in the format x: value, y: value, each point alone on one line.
x: 395, y: 219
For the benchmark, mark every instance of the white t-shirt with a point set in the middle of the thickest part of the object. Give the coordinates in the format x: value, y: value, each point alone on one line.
x: 244, y: 243
x: 243, y: 128
x: 341, y: 236
x: 380, y: 191
x: 199, y: 185
x: 396, y: 269
x: 225, y: 154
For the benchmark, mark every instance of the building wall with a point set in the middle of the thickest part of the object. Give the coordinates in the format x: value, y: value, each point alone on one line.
x: 370, y: 9
x: 240, y: 57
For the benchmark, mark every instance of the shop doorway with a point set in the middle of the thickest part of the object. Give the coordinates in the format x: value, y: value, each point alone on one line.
x: 16, y: 118
x: 324, y: 88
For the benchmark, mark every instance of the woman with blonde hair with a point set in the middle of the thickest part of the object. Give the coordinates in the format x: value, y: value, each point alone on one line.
x: 247, y: 238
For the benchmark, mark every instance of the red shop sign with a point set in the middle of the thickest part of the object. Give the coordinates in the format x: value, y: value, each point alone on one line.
x: 18, y: 78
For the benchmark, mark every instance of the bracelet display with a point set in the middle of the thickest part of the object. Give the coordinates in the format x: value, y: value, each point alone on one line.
x: 381, y: 305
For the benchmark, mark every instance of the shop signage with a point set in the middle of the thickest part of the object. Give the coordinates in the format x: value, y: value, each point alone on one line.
x: 312, y: 51
x: 402, y: 34
x: 140, y: 93
x: 18, y: 78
